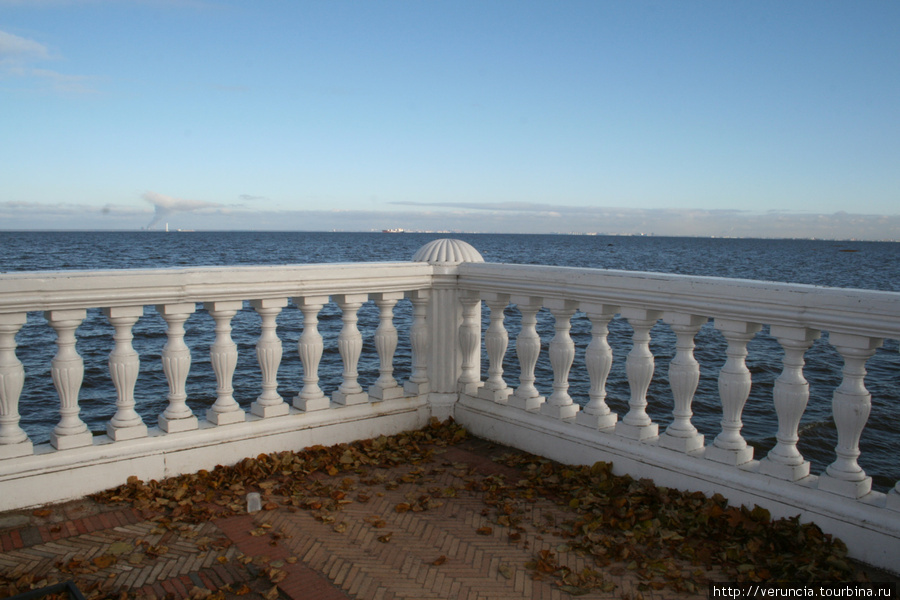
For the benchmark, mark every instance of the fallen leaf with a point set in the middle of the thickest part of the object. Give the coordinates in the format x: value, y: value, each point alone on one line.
x: 484, y: 530
x: 439, y: 561
x: 384, y: 539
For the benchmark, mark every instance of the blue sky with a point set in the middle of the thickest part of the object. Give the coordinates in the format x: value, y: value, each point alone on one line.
x: 687, y: 118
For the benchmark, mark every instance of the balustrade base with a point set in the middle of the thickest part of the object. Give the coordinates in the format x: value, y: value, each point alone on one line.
x: 226, y: 418
x: 637, y: 432
x: 67, y: 442
x: 126, y: 433
x: 892, y: 502
x: 272, y: 410
x: 386, y: 393
x: 25, y: 448
x: 349, y: 399
x: 178, y: 425
x: 498, y: 396
x: 412, y: 388
x: 728, y: 456
x: 782, y: 471
x: 531, y: 404
x: 560, y: 411
x: 311, y: 404
x: 470, y: 389
x: 842, y: 487
x: 681, y: 444
x: 595, y: 421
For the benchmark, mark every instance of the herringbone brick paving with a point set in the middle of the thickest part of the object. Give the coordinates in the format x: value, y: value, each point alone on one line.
x: 413, y: 532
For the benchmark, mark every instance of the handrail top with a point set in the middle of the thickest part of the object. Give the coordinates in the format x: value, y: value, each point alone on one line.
x: 845, y: 310
x: 59, y: 290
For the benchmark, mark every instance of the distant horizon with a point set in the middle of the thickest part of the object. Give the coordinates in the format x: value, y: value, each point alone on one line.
x: 450, y: 233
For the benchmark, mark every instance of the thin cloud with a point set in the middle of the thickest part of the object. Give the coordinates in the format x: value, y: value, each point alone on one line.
x: 165, y: 206
x: 15, y: 49
x: 19, y: 57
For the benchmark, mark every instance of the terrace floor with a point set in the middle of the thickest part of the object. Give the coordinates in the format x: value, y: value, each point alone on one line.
x: 426, y: 529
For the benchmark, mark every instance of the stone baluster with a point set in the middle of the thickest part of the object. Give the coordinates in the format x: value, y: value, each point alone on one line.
x: 350, y: 346
x: 268, y: 353
x: 496, y: 341
x: 310, y: 347
x: 469, y: 344
x: 386, y: 387
x: 67, y: 371
x: 729, y: 446
x: 223, y: 354
x: 790, y: 396
x: 562, y: 355
x: 124, y: 365
x: 684, y: 376
x: 850, y: 406
x: 176, y: 362
x: 598, y: 358
x: 419, y: 343
x: 639, y: 365
x: 528, y: 349
x: 14, y: 441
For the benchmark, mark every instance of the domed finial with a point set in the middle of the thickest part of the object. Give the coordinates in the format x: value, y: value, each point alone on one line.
x: 447, y: 252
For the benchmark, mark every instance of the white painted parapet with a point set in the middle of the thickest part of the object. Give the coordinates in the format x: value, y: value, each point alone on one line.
x: 78, y: 461
x: 840, y: 499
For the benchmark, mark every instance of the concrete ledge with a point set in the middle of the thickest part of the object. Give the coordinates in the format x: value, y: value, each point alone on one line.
x: 870, y: 530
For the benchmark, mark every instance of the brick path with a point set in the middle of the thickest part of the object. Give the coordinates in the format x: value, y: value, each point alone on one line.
x: 412, y: 532
x: 391, y: 540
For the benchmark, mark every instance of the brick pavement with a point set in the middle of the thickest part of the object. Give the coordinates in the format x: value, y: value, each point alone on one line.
x: 412, y: 532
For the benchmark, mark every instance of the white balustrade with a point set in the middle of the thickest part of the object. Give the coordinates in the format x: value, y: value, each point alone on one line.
x: 124, y: 365
x: 67, y: 371
x: 639, y: 365
x: 562, y: 355
x: 310, y: 347
x: 496, y: 341
x: 269, y: 353
x: 791, y: 395
x: 14, y: 442
x: 176, y: 361
x: 598, y: 357
x: 528, y: 349
x: 386, y: 387
x: 419, y: 343
x: 734, y: 389
x: 469, y: 340
x: 350, y: 346
x: 851, y: 405
x: 684, y: 376
x: 223, y: 355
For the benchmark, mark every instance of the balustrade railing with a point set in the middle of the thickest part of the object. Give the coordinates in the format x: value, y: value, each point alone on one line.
x: 856, y: 323
x: 522, y: 395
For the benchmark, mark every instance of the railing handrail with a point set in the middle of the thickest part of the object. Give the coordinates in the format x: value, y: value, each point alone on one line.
x: 63, y: 290
x: 838, y: 310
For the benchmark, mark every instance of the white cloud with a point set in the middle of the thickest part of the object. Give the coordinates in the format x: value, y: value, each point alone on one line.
x: 15, y: 49
x: 164, y: 206
x: 18, y: 57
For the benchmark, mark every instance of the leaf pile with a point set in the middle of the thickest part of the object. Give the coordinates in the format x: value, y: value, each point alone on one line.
x: 291, y: 478
x: 655, y: 531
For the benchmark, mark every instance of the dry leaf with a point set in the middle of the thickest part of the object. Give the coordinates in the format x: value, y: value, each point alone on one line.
x: 439, y: 560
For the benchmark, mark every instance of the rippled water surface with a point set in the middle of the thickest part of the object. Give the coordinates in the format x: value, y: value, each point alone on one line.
x: 869, y: 265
